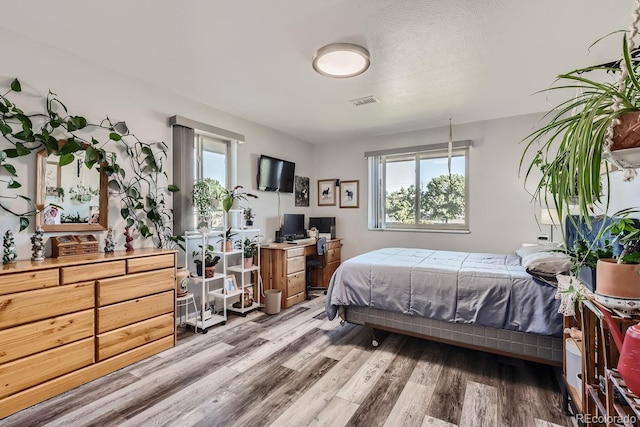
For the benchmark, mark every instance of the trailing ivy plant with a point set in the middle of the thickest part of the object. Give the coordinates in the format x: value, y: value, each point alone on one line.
x: 142, y: 197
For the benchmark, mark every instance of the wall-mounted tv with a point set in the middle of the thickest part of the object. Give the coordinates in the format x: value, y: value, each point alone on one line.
x: 275, y: 174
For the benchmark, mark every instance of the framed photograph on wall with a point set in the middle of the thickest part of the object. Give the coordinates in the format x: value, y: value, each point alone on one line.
x: 350, y: 194
x: 302, y: 190
x: 326, y: 192
x: 230, y: 285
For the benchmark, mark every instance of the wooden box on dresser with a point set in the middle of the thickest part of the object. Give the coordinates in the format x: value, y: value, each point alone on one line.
x: 67, y: 321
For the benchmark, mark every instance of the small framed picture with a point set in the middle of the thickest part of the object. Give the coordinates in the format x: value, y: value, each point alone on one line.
x: 326, y: 192
x: 230, y: 284
x: 350, y: 194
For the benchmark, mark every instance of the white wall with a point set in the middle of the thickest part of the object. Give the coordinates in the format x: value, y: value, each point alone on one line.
x: 501, y: 214
x: 95, y: 92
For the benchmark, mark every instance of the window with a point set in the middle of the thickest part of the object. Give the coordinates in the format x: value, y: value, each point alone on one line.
x: 210, y: 161
x: 411, y: 188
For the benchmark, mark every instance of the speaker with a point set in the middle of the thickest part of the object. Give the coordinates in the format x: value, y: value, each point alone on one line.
x: 332, y: 230
x: 279, y: 238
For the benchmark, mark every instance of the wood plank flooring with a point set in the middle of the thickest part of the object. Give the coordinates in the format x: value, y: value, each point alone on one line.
x: 298, y: 369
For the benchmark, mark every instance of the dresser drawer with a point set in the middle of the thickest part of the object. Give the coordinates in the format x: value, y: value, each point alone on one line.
x: 122, y: 288
x: 334, y: 244
x: 24, y: 307
x: 296, y: 283
x: 126, y: 313
x: 150, y: 263
x: 333, y: 255
x: 295, y: 264
x: 18, y: 282
x: 95, y: 271
x: 291, y: 253
x: 29, y: 371
x: 21, y: 341
x: 132, y: 336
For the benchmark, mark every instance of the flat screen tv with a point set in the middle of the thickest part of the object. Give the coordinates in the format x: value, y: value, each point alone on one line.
x: 275, y: 174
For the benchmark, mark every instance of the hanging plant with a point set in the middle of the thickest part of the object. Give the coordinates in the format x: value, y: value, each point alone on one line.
x: 142, y: 195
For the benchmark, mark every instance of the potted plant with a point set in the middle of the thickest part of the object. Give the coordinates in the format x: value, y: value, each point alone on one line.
x: 569, y: 150
x: 229, y: 197
x: 620, y: 277
x: 248, y: 217
x: 210, y: 261
x: 226, y: 244
x: 249, y: 248
x: 205, y: 200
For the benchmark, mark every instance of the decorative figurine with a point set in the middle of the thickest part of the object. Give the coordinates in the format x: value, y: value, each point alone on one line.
x: 9, y: 255
x: 127, y: 236
x: 37, y: 245
x: 109, y: 244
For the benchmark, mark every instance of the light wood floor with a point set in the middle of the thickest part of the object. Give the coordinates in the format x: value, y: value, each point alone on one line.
x: 297, y: 369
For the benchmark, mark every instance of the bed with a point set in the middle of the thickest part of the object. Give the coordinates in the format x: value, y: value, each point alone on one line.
x: 489, y: 302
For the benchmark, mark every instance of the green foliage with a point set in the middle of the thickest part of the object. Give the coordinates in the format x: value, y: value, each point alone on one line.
x: 567, y: 151
x: 210, y: 260
x: 626, y: 233
x: 584, y: 255
x: 56, y: 131
x: 229, y: 197
x: 442, y: 200
x: 205, y: 196
x: 249, y: 246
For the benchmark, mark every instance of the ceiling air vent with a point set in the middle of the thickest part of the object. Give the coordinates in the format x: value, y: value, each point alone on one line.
x: 364, y: 100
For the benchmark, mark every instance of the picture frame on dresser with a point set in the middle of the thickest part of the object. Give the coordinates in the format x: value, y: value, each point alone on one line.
x: 230, y: 284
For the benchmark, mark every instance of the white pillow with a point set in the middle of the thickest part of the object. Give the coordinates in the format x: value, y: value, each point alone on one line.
x: 542, y: 247
x: 547, y: 262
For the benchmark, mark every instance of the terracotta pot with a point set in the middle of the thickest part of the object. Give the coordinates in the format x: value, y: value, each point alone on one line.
x: 627, y: 133
x: 209, y: 272
x: 618, y: 280
x: 226, y: 246
x: 248, y: 262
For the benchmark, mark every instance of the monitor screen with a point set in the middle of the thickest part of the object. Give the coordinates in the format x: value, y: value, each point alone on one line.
x: 293, y: 226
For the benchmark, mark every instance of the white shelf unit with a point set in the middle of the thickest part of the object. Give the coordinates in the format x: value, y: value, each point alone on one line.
x: 249, y: 277
x: 212, y: 289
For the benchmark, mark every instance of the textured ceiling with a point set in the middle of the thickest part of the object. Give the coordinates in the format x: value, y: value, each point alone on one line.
x: 430, y: 60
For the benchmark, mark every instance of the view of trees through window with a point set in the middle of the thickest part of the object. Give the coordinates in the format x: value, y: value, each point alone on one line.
x: 441, y: 198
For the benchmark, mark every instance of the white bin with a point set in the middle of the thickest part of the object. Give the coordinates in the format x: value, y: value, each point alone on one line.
x: 273, y: 299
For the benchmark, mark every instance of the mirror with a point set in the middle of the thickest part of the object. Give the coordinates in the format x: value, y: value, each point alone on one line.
x: 72, y: 197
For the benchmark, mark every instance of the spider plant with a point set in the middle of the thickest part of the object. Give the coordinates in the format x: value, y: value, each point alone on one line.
x: 568, y: 150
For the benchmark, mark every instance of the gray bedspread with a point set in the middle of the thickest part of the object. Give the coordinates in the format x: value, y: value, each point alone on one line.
x: 491, y: 290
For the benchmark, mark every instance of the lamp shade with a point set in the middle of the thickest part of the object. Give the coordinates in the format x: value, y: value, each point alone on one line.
x: 549, y: 216
x: 341, y: 60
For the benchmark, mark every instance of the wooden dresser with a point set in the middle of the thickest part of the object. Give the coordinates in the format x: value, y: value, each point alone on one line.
x: 67, y: 321
x: 283, y: 267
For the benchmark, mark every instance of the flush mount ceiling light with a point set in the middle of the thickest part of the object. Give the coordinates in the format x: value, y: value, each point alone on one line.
x: 341, y: 60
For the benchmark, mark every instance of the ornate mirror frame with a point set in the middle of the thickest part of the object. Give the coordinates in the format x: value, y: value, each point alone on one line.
x: 103, y: 205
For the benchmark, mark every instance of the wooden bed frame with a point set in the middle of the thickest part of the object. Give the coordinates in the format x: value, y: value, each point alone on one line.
x: 520, y: 345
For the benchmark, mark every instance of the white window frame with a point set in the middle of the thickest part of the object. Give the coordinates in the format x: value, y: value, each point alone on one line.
x: 377, y: 161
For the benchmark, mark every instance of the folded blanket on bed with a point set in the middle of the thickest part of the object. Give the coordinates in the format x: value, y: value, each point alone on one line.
x: 491, y: 290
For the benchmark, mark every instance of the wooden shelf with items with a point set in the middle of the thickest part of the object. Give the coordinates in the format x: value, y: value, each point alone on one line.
x: 604, y: 399
x: 573, y: 363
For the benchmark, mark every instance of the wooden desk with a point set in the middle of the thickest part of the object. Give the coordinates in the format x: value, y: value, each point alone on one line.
x: 283, y: 267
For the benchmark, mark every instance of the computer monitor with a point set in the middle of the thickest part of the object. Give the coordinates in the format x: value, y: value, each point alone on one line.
x: 293, y: 226
x: 325, y: 224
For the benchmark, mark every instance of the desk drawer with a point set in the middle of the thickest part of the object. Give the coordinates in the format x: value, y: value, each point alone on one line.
x: 150, y: 263
x: 24, y: 307
x: 33, y: 370
x: 126, y: 313
x: 93, y: 271
x: 333, y: 255
x: 117, y: 289
x: 334, y: 244
x: 294, y: 299
x: 19, y: 282
x: 132, y: 336
x: 295, y: 264
x: 295, y: 283
x: 295, y: 252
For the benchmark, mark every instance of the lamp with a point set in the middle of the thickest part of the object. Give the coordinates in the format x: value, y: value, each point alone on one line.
x: 341, y: 60
x: 549, y: 216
